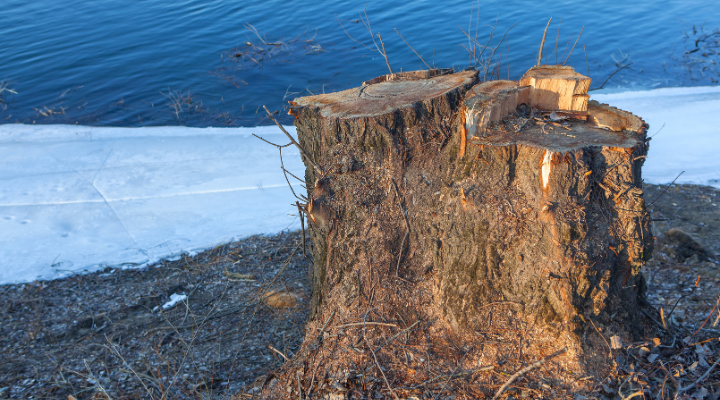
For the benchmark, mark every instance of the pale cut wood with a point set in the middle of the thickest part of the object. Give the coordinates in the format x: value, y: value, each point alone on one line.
x: 607, y: 117
x: 557, y: 87
x: 580, y: 102
x: 490, y: 102
x: 551, y: 88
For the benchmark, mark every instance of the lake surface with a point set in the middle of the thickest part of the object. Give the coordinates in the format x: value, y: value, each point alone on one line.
x: 213, y: 63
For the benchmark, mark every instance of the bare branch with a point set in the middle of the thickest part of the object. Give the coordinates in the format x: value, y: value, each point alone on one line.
x: 499, y: 44
x: 557, y: 37
x: 366, y: 22
x: 611, y: 75
x: 352, y: 38
x: 282, y: 166
x: 411, y: 48
x: 271, y: 143
x: 293, y: 141
x: 573, y: 48
x: 526, y: 369
x: 387, y: 62
x: 542, y: 43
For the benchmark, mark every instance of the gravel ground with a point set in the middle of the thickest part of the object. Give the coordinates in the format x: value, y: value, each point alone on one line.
x: 106, y: 335
x: 681, y: 272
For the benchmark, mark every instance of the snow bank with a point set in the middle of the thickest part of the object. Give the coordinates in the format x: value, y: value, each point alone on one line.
x: 76, y: 198
x: 685, y: 135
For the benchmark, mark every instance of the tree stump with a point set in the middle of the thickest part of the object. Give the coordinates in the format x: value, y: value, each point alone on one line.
x: 460, y: 225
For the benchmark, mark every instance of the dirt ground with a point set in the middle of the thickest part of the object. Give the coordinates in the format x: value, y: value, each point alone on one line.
x: 100, y: 335
x: 692, y: 281
x: 106, y: 335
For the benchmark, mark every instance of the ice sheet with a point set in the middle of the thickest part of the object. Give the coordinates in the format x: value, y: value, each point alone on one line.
x: 76, y: 199
x: 685, y: 135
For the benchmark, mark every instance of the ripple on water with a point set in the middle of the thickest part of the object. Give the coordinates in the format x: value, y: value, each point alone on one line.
x: 106, y: 63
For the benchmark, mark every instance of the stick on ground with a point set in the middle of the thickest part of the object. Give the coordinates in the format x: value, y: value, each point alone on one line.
x: 526, y: 369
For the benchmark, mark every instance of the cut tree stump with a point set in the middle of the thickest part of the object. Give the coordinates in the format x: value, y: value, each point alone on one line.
x: 460, y: 225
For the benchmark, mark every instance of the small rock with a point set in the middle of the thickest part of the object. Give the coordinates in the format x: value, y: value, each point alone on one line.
x: 335, y: 396
x: 682, y: 246
x: 701, y: 393
x: 281, y: 299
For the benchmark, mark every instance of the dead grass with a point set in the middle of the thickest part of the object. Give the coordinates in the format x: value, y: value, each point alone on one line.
x: 701, y: 55
x: 257, y: 50
x: 105, y: 335
x: 182, y: 104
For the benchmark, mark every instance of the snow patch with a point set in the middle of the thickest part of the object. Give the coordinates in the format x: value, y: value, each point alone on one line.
x: 174, y: 299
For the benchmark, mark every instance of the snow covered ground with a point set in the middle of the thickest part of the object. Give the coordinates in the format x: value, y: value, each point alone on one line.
x: 686, y: 136
x: 76, y: 198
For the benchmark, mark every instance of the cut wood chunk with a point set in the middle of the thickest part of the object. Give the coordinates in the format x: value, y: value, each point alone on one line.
x: 580, y: 102
x: 555, y: 87
x: 607, y: 117
x: 490, y: 102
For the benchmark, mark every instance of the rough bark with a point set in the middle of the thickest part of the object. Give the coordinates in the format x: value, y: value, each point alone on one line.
x: 470, y: 209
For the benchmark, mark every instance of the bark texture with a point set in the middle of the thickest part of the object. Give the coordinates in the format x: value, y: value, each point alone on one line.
x: 468, y: 207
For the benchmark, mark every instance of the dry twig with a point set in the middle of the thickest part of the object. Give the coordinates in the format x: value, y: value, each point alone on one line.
x: 407, y: 225
x: 525, y: 370
x: 378, y: 365
x: 573, y: 48
x: 611, y: 75
x: 542, y: 43
x: 411, y: 48
x: 294, y: 142
x: 366, y: 21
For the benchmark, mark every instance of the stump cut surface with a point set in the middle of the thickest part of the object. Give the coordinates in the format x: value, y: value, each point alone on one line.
x: 386, y: 96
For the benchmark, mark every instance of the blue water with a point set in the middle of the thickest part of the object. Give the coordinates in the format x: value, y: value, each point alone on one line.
x: 116, y: 62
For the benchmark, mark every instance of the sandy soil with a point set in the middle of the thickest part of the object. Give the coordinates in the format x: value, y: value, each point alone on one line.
x: 105, y: 335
